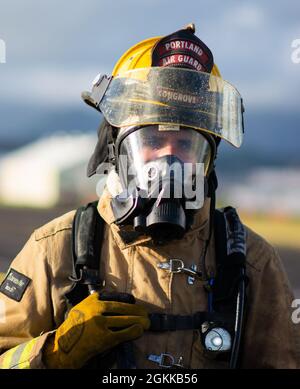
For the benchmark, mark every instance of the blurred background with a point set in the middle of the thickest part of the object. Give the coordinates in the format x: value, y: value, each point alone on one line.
x: 51, y: 51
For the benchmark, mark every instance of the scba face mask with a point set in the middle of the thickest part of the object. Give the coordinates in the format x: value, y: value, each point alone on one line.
x: 162, y: 169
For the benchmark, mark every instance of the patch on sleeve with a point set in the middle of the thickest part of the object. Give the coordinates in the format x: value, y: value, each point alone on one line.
x: 14, y: 285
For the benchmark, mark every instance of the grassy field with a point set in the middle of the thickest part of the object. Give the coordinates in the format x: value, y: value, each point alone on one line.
x: 280, y: 231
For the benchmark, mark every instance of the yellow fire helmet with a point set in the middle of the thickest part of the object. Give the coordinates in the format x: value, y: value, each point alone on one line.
x: 169, y: 80
x: 140, y: 55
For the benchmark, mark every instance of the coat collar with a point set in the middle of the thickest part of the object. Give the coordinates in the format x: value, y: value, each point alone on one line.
x: 127, y: 237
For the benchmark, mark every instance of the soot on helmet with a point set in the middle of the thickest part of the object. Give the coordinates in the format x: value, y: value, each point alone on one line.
x: 162, y: 169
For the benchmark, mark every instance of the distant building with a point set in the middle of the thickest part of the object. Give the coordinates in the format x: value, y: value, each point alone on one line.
x: 47, y: 172
x: 268, y: 190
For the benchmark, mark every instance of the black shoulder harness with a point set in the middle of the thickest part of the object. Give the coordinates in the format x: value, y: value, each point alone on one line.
x: 227, y: 290
x: 87, y: 236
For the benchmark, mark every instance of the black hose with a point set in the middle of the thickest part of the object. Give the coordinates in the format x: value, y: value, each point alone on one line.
x: 240, y: 308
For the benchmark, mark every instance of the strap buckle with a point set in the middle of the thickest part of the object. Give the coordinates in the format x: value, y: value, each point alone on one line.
x: 165, y: 360
x: 177, y: 266
x: 173, y: 265
x: 87, y: 276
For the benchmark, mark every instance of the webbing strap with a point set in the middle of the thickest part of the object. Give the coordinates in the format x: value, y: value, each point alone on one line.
x: 230, y: 244
x: 87, y: 236
x: 88, y: 230
x: 163, y: 322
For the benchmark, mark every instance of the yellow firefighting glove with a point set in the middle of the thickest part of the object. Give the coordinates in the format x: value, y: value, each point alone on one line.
x: 92, y: 327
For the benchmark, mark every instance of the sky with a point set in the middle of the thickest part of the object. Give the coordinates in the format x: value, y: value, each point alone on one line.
x: 54, y: 49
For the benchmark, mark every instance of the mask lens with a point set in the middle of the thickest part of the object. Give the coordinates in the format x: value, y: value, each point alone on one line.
x: 142, y: 151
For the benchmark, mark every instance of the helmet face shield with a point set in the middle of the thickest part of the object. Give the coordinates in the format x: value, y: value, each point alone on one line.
x: 152, y: 154
x: 167, y: 95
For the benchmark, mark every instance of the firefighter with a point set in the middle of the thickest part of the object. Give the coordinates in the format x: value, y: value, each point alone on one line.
x: 147, y: 278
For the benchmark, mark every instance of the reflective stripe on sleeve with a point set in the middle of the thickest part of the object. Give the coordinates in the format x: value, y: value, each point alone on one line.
x: 7, y: 359
x: 19, y: 356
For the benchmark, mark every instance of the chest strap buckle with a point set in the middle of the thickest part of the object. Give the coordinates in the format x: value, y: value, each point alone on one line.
x: 177, y: 266
x: 166, y: 361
